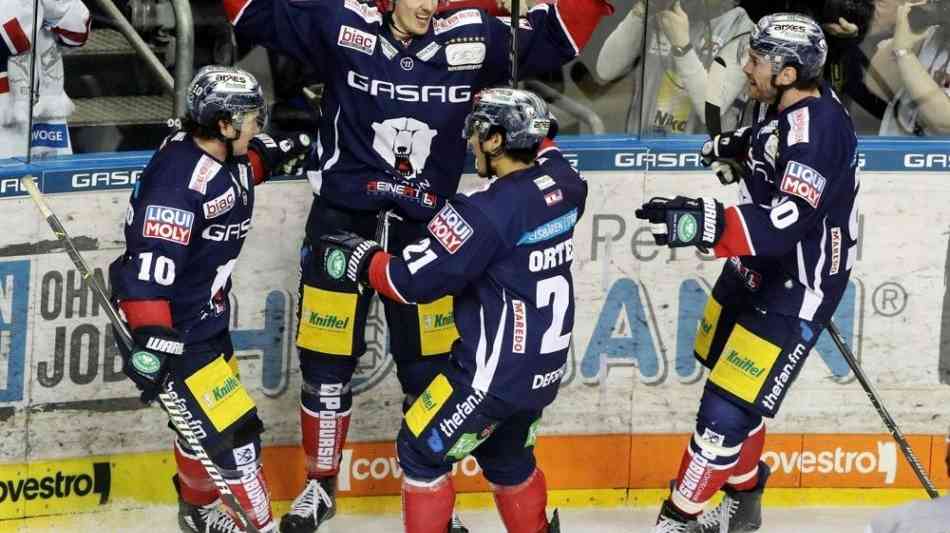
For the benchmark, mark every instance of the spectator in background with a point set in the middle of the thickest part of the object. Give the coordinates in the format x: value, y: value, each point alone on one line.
x: 683, y: 37
x: 912, y: 71
x: 63, y: 23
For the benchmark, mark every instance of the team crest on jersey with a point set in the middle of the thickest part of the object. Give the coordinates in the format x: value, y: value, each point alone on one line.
x: 355, y: 39
x: 465, y: 56
x: 798, y: 122
x: 804, y: 182
x: 168, y: 223
x: 450, y: 229
x: 455, y: 20
x: 206, y: 169
x: 554, y: 197
x: 404, y: 143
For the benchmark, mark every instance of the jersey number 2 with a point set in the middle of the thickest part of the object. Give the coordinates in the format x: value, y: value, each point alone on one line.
x: 556, y: 292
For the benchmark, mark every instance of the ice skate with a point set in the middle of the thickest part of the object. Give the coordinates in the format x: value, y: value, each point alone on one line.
x: 739, y: 511
x: 315, y: 504
x: 673, y: 521
x: 456, y: 525
x: 209, y: 518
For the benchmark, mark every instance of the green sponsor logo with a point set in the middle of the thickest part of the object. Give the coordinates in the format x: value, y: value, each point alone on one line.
x: 327, y: 321
x: 230, y: 385
x: 439, y: 321
x: 704, y: 326
x: 335, y: 263
x: 532, y: 434
x: 464, y: 446
x: 427, y: 402
x: 145, y: 362
x: 744, y: 364
x: 686, y: 227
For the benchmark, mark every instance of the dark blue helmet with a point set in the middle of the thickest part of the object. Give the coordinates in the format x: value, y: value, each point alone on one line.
x: 788, y: 39
x: 522, y: 115
x: 224, y: 93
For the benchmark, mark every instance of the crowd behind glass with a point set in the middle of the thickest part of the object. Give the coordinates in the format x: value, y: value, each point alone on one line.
x: 644, y: 74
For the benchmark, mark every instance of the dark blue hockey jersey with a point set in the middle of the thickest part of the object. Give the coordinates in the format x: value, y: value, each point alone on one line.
x: 793, y: 237
x: 186, y: 223
x: 505, y: 253
x: 392, y: 116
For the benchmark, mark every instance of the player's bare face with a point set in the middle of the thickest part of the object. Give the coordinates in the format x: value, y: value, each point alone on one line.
x: 412, y: 17
x: 249, y: 128
x: 758, y: 70
x: 481, y: 160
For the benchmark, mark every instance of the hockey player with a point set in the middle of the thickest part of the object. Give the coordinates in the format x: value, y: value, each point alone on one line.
x: 506, y: 253
x: 398, y: 87
x: 791, y: 243
x: 187, y: 220
x: 62, y: 23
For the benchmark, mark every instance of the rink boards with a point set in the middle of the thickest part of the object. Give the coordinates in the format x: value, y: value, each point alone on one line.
x: 630, y: 391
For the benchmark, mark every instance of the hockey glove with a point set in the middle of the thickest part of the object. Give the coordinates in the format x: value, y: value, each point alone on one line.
x: 281, y: 155
x: 689, y: 222
x: 724, y: 152
x: 347, y: 254
x: 149, y: 361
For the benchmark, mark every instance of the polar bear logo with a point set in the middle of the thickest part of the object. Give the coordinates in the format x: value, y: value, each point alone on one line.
x: 405, y: 143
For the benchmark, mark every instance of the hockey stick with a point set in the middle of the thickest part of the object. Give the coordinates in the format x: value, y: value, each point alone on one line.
x: 714, y: 127
x: 176, y: 412
x: 515, y: 24
x: 881, y: 410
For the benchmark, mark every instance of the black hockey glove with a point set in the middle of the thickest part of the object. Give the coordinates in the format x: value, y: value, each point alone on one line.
x: 148, y: 363
x: 347, y: 254
x: 689, y: 222
x: 724, y: 152
x: 282, y: 155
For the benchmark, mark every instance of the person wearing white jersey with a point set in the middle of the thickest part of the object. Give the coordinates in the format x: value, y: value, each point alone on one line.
x: 912, y: 72
x: 683, y: 38
x: 62, y: 23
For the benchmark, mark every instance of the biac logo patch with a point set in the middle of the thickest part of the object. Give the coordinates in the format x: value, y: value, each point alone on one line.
x: 358, y: 40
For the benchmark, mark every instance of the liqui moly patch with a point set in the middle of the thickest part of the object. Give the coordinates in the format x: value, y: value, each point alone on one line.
x: 804, y: 182
x: 168, y: 223
x: 450, y: 229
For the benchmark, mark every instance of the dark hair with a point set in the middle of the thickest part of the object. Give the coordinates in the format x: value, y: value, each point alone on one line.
x: 522, y: 155
x: 191, y: 126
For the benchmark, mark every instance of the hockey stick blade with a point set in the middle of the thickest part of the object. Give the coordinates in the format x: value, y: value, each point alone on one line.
x: 176, y: 412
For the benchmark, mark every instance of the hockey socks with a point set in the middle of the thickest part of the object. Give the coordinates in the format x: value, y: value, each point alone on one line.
x: 522, y: 506
x: 324, y: 434
x: 427, y: 506
x: 704, y: 469
x: 745, y: 474
x: 195, y: 486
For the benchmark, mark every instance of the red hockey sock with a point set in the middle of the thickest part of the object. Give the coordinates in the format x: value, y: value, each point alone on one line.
x: 195, y: 485
x: 251, y: 491
x: 745, y: 474
x: 324, y: 434
x: 522, y: 506
x: 427, y: 507
x: 699, y: 479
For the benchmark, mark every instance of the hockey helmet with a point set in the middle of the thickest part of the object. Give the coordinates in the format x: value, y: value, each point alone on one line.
x: 791, y: 40
x: 224, y: 93
x: 522, y: 115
